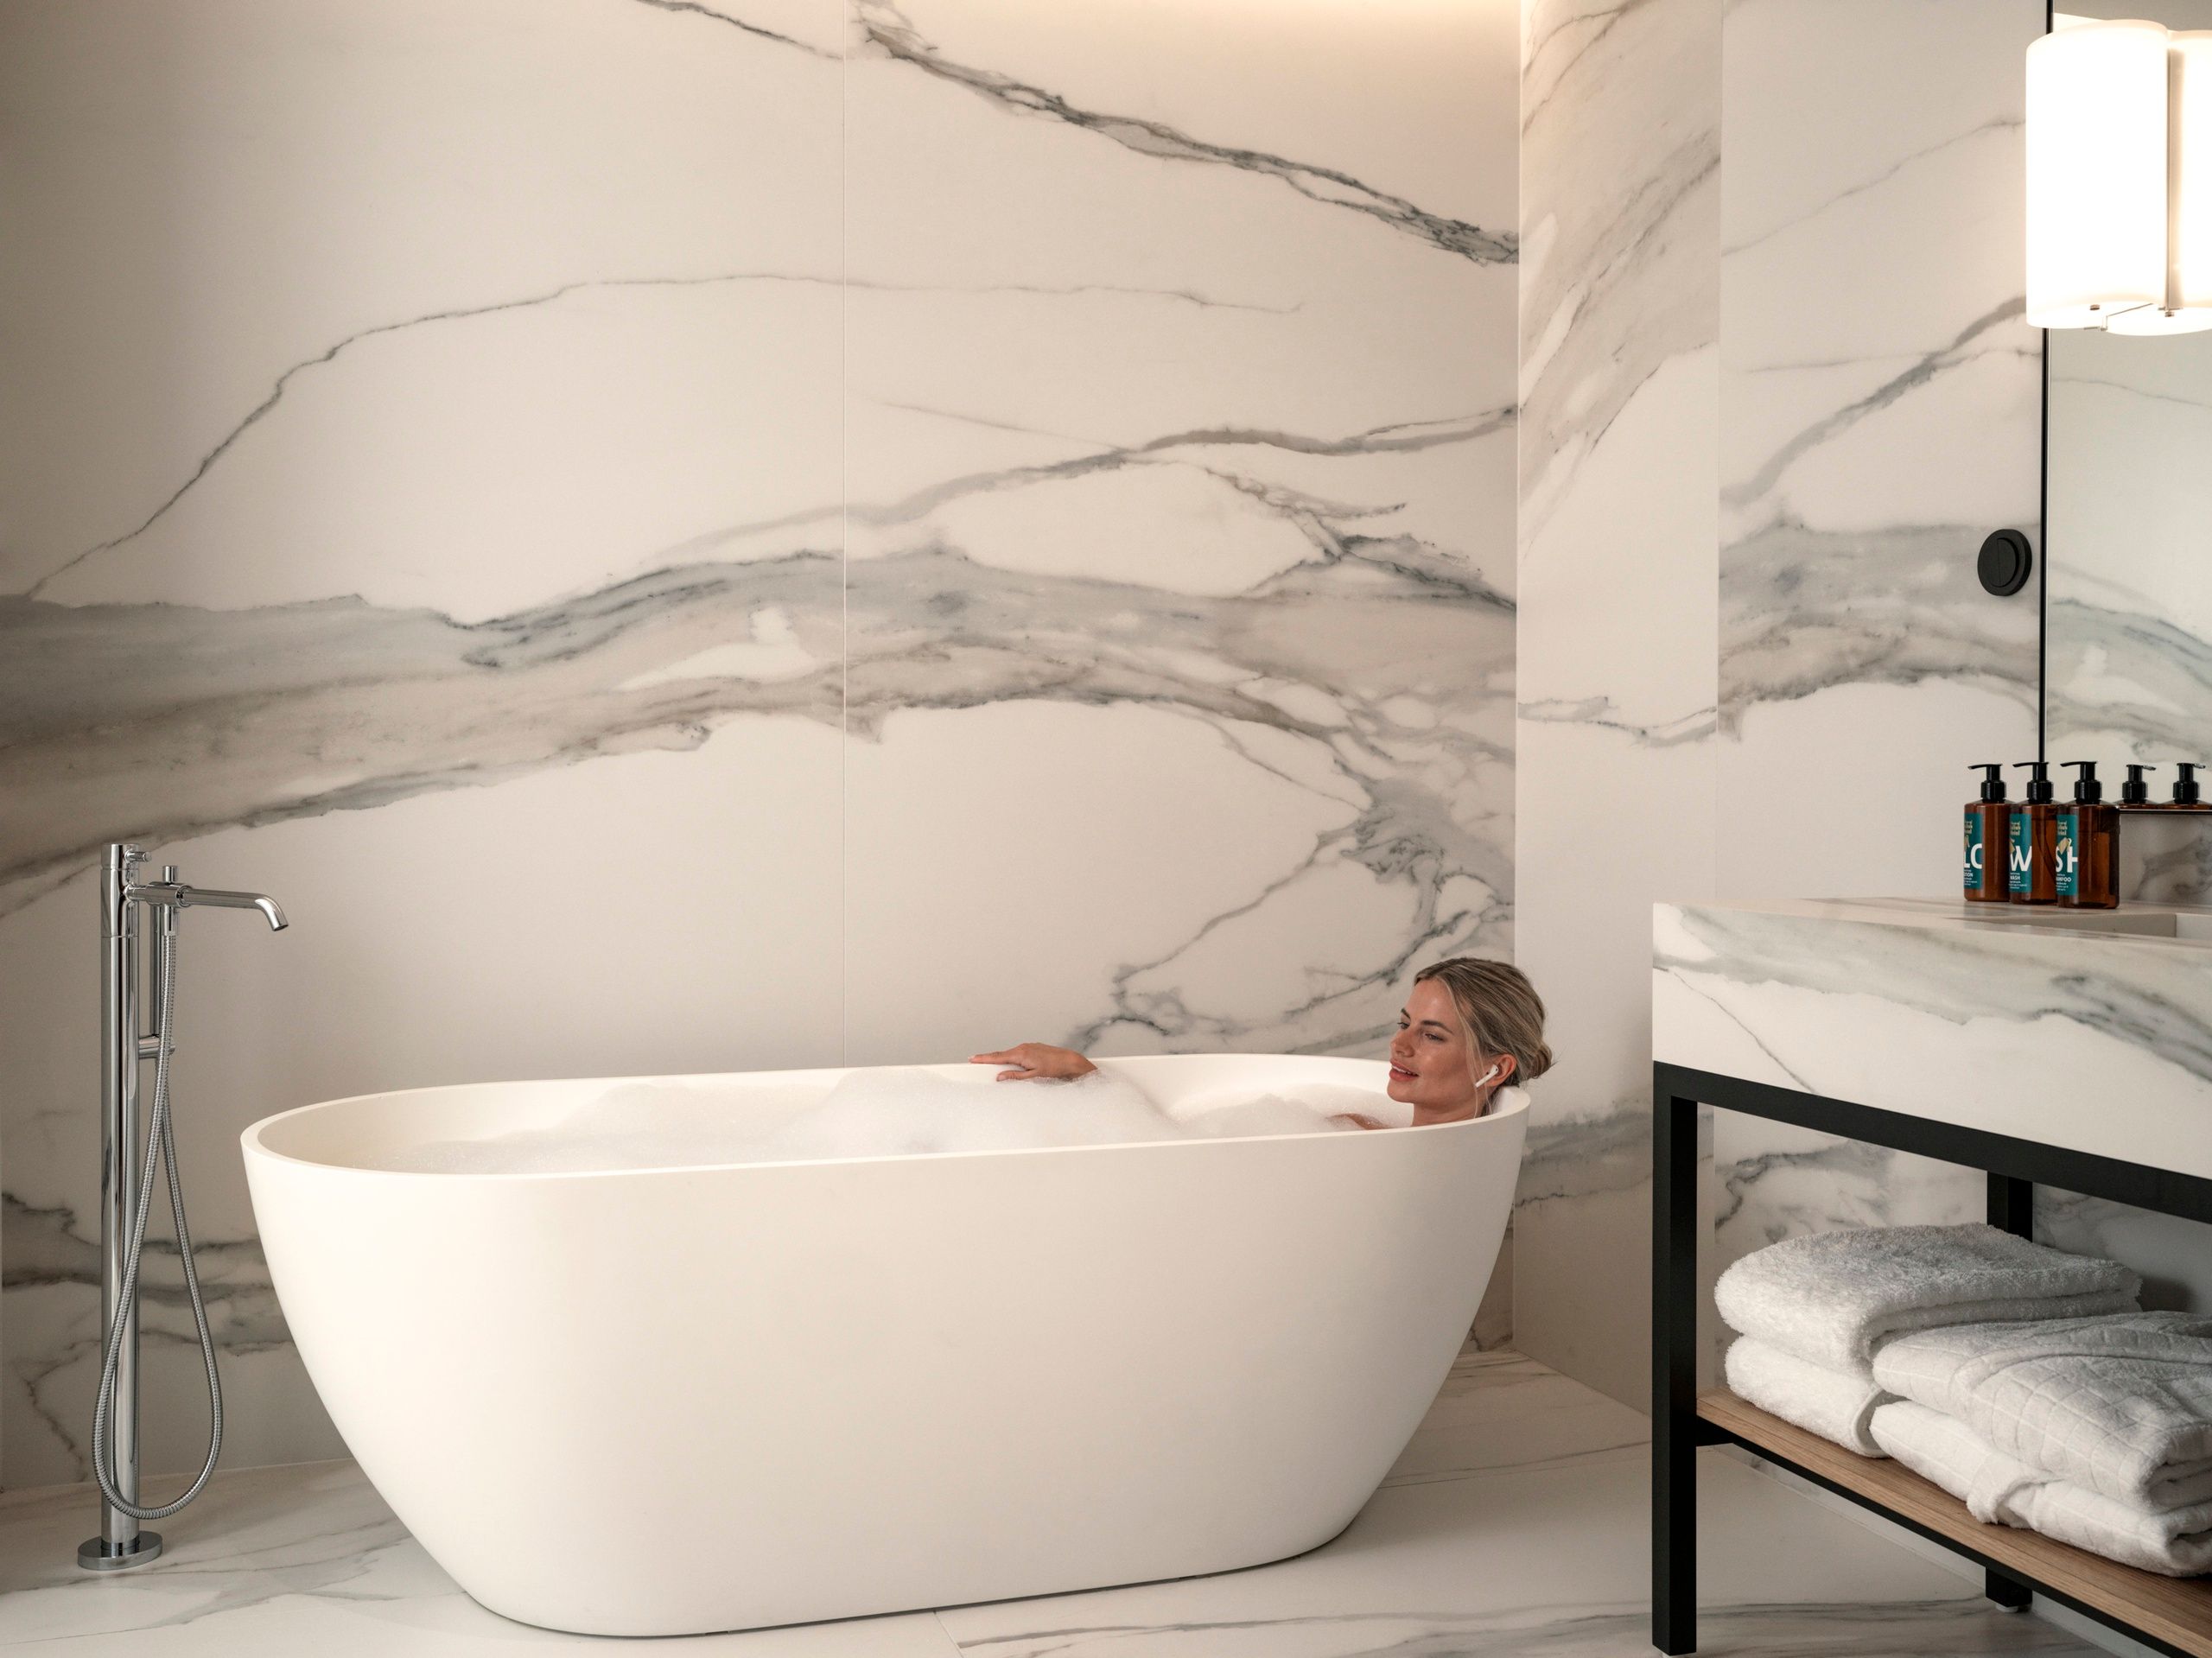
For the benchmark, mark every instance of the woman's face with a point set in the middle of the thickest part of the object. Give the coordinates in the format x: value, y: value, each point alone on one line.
x: 1429, y: 1057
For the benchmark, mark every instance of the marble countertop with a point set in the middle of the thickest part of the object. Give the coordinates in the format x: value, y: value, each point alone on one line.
x: 2088, y: 1029
x: 2170, y: 923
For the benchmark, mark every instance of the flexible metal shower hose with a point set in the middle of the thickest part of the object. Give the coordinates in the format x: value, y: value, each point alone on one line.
x: 161, y: 1144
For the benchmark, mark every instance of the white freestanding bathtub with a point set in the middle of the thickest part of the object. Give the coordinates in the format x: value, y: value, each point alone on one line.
x: 671, y: 1400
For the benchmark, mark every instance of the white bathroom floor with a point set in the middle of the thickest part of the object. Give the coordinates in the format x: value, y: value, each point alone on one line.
x: 1514, y: 1524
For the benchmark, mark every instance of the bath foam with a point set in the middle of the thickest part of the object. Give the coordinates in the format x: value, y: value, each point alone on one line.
x: 1314, y: 1111
x: 875, y: 1112
x: 914, y: 1113
x: 636, y: 1126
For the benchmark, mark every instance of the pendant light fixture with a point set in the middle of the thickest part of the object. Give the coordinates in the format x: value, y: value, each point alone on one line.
x: 2120, y: 178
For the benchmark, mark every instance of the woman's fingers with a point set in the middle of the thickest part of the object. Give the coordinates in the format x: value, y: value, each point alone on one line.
x: 1033, y: 1061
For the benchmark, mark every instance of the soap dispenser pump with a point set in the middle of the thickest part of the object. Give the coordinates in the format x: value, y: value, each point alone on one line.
x: 2086, y: 856
x: 1988, y: 835
x: 2032, y: 865
x: 2135, y: 791
x: 2187, y: 794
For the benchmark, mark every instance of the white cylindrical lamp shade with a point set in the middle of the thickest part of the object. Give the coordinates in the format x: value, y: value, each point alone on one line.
x: 2096, y: 157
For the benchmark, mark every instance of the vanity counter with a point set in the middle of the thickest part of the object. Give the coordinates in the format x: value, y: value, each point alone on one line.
x: 2086, y: 1030
x: 2070, y: 1049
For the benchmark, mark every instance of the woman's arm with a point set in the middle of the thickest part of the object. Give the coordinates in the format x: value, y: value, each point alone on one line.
x: 1036, y: 1062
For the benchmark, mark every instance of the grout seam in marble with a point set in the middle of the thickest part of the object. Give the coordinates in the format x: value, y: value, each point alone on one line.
x: 844, y: 555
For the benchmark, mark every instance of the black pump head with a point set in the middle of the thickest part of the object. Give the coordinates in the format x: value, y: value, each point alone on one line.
x: 1993, y: 781
x: 2186, y: 793
x: 2038, y: 779
x: 2135, y: 791
x: 2087, y: 789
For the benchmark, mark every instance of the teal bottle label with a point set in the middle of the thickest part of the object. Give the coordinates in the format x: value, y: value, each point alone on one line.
x: 2069, y: 828
x: 1974, y: 853
x: 2017, y: 869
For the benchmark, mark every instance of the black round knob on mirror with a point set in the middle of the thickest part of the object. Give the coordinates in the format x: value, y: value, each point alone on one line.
x: 2006, y: 560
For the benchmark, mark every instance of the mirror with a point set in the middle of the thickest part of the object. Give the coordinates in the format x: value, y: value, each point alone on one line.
x: 2127, y: 622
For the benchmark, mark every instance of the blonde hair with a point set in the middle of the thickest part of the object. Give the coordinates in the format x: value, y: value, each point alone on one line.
x: 1503, y: 1011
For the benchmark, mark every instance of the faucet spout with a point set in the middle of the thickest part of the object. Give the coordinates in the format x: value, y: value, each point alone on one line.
x: 270, y: 911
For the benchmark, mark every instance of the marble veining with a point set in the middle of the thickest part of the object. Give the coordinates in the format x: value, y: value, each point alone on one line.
x: 1621, y: 162
x: 1621, y: 142
x: 53, y: 584
x: 885, y: 29
x: 396, y: 702
x: 1879, y: 414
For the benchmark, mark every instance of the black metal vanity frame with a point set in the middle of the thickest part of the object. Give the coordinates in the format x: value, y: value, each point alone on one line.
x: 2014, y: 1168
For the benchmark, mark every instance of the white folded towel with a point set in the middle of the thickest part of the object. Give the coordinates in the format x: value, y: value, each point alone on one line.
x: 2120, y: 1405
x: 1830, y: 1297
x: 1831, y: 1403
x: 2000, y: 1490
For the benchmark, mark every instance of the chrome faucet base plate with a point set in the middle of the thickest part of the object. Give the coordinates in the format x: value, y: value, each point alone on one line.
x: 94, y: 1556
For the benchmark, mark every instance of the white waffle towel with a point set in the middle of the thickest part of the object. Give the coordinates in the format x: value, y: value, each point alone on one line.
x: 2000, y: 1490
x: 2121, y: 1405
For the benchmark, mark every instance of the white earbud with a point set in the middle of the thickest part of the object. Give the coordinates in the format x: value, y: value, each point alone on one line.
x: 1486, y: 1075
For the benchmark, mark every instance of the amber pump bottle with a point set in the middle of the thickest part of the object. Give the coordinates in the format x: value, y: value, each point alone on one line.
x: 2087, y: 855
x: 2032, y: 864
x: 1989, y: 836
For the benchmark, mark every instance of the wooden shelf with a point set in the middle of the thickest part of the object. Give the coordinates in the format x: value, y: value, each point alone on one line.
x: 2176, y: 1610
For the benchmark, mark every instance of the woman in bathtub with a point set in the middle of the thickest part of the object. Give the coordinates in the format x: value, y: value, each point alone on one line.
x: 1468, y: 1029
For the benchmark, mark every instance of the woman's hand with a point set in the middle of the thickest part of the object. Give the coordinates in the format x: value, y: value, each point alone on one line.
x: 1033, y: 1062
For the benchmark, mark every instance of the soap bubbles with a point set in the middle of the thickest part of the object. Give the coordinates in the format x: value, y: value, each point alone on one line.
x: 871, y: 1114
x: 916, y: 1113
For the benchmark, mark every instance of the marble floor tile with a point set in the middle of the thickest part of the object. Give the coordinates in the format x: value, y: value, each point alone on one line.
x: 1503, y: 1410
x: 1514, y: 1524
x: 307, y: 1559
x: 1544, y: 1559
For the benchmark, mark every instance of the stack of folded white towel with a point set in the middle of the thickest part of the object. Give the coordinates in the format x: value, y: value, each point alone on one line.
x: 2022, y: 1380
x: 1811, y: 1311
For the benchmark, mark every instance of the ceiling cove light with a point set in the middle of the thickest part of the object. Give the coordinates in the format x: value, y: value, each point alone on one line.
x: 2120, y: 178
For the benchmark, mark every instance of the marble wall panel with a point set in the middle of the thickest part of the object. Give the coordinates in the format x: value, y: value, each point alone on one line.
x: 1620, y: 316
x: 687, y: 535
x: 1879, y: 414
x: 425, y: 398
x: 1181, y: 587
x: 323, y: 498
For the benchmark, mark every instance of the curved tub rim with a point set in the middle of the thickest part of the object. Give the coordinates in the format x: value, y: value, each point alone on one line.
x: 1513, y: 1103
